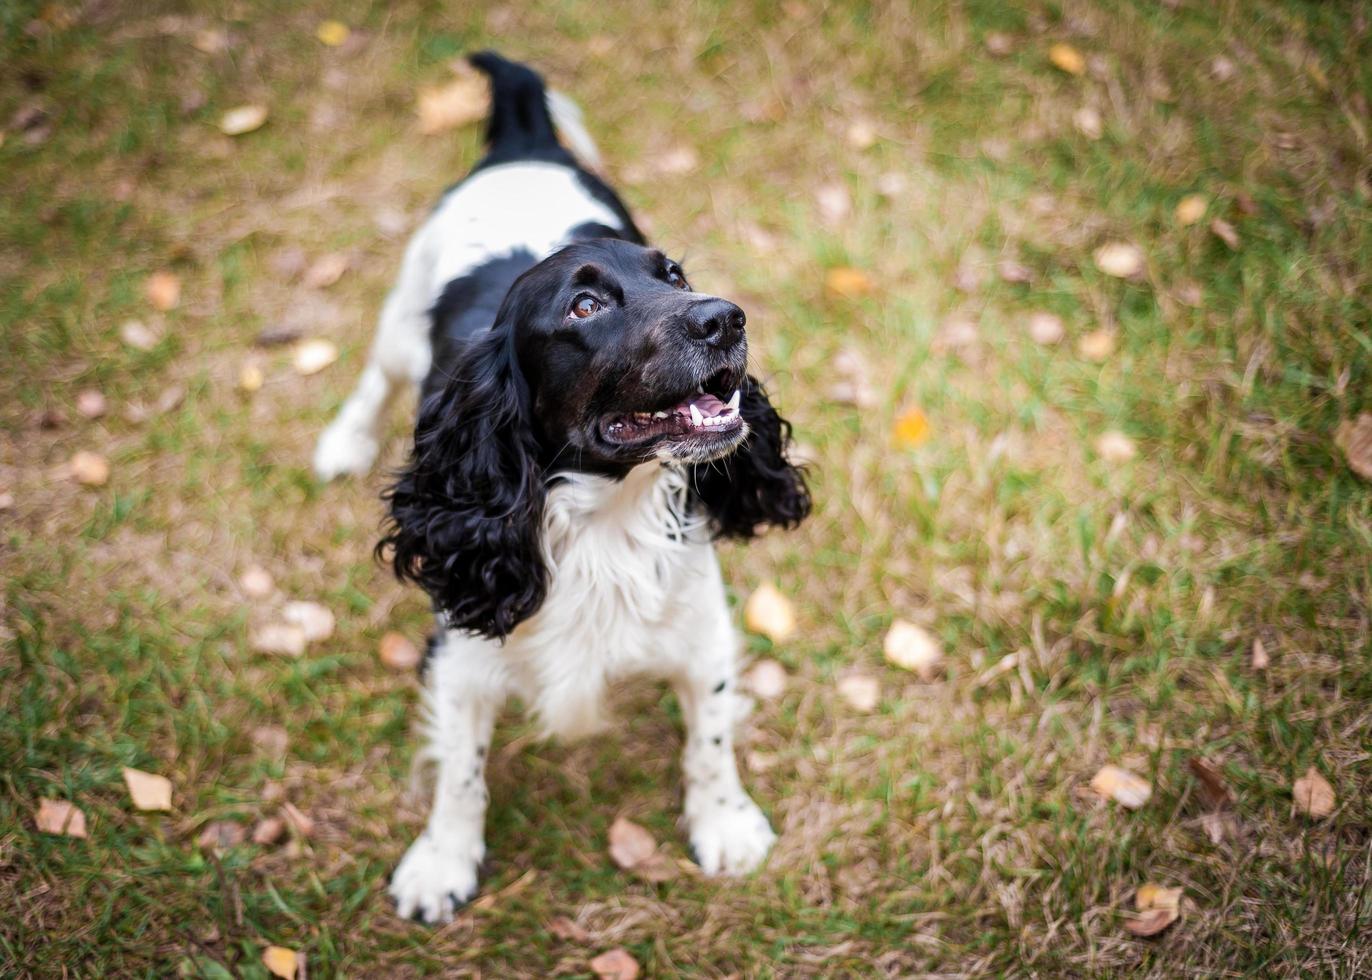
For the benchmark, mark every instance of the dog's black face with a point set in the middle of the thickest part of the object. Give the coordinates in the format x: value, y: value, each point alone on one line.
x: 624, y: 362
x: 600, y: 359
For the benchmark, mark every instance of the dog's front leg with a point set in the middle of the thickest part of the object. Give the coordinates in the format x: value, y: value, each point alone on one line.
x: 439, y: 872
x: 729, y: 833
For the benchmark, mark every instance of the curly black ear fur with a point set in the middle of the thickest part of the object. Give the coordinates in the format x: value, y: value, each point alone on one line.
x: 466, y: 511
x: 756, y: 485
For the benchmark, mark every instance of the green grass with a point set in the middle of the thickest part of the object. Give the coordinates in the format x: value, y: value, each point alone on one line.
x: 945, y: 832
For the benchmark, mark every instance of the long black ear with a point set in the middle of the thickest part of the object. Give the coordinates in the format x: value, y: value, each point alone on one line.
x: 756, y: 485
x: 466, y: 511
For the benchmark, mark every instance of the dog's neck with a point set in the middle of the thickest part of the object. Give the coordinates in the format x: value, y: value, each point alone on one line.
x: 648, y: 509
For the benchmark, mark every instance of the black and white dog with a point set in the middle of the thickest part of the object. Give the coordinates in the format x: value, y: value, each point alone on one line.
x: 586, y: 427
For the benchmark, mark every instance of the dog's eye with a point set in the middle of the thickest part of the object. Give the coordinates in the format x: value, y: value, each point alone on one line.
x: 675, y: 278
x: 585, y: 306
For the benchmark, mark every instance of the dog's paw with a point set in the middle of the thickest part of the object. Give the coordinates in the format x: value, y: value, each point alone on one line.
x: 434, y: 879
x: 731, y: 837
x: 344, y: 451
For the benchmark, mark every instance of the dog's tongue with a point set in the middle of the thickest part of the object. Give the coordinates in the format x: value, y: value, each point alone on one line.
x: 708, y: 405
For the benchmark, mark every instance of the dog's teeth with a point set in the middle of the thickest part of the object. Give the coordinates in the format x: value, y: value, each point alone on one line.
x: 696, y: 417
x: 700, y: 388
x: 733, y: 400
x: 659, y: 415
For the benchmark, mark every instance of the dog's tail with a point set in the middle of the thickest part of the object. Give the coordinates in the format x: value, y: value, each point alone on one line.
x: 526, y: 117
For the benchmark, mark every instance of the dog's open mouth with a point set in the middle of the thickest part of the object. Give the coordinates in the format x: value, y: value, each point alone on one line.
x: 711, y: 411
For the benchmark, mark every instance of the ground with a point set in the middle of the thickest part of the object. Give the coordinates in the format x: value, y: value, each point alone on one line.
x: 948, y: 831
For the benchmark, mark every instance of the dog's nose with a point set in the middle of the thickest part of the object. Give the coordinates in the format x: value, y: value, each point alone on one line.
x: 716, y: 322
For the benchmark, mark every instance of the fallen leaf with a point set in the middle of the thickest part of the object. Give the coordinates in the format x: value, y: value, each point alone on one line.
x: 268, y: 831
x: 1124, y: 787
x: 676, y: 161
x: 767, y: 679
x: 1225, y: 232
x: 280, y: 962
x: 1067, y: 58
x: 326, y: 270
x: 137, y: 335
x: 91, y: 403
x: 6, y: 500
x: 892, y: 184
x: 912, y: 648
x: 759, y: 761
x: 283, y: 639
x: 333, y: 33
x: 630, y: 844
x: 256, y: 582
x: 1115, y: 447
x: 242, y: 119
x: 210, y: 41
x: 1150, y: 923
x: 1354, y: 438
x: 463, y: 100
x: 1191, y: 209
x: 251, y: 377
x: 1189, y: 292
x: 89, y: 469
x: 1222, y: 68
x: 568, y: 931
x: 221, y: 835
x: 1259, y: 658
x: 163, y: 290
x: 1313, y: 795
x: 1119, y: 259
x: 834, y: 203
x: 1014, y: 271
x: 313, y: 356
x: 911, y: 428
x: 769, y: 613
x: 845, y: 282
x: 1215, y: 792
x: 1097, y: 345
x: 397, y: 652
x: 999, y: 45
x: 299, y: 821
x: 1088, y: 122
x: 860, y: 691
x: 272, y: 740
x: 861, y: 134
x: 148, y: 790
x: 616, y: 964
x: 60, y: 817
x: 956, y: 332
x: 315, y: 621
x: 1046, y: 328
x: 1159, y: 907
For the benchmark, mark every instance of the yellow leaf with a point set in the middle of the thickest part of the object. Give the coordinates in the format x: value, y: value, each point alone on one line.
x: 1097, y: 345
x: 250, y: 377
x: 397, y: 652
x: 148, y: 790
x: 847, y: 283
x: 1313, y: 795
x: 1067, y: 58
x: 1159, y: 907
x: 913, y: 648
x: 1122, y: 786
x: 769, y: 613
x: 280, y: 962
x: 243, y: 119
x: 163, y: 289
x: 1191, y: 209
x: 89, y: 469
x: 1151, y: 896
x: 60, y: 817
x: 911, y: 428
x: 332, y: 32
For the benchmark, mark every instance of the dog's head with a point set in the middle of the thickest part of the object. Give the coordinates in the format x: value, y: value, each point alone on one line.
x: 601, y: 358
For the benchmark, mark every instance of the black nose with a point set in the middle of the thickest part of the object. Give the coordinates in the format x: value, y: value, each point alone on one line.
x: 716, y: 322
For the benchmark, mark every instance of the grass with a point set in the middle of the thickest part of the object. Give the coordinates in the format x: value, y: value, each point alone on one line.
x: 946, y: 832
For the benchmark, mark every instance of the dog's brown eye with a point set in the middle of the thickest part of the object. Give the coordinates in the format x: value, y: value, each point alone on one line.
x: 585, y: 306
x: 675, y: 277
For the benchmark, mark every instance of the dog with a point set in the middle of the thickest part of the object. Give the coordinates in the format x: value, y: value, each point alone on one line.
x: 587, y: 426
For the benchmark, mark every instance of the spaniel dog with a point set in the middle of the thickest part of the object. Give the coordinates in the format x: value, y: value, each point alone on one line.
x: 586, y: 427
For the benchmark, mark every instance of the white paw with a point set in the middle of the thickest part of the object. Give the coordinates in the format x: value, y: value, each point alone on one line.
x: 344, y: 450
x: 729, y: 838
x: 434, y: 879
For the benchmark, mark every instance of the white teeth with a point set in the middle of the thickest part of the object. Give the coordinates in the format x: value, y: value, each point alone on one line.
x: 700, y: 388
x: 659, y: 415
x: 696, y: 417
x: 733, y: 402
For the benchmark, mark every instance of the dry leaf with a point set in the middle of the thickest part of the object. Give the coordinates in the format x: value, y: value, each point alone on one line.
x: 137, y: 335
x: 326, y: 270
x: 251, y: 377
x: 630, y: 844
x: 463, y: 100
x: 313, y: 356
x: 1097, y: 345
x: 299, y: 821
x: 1046, y: 328
x: 60, y: 817
x: 1150, y: 923
x: 163, y: 290
x: 862, y: 134
x: 1159, y: 907
x: 1354, y: 437
x: 1313, y: 795
x: 1013, y: 271
x: 912, y: 648
x: 221, y: 835
x: 268, y: 831
x: 759, y: 761
x: 1115, y: 447
x: 243, y: 119
x: 270, y: 739
x: 314, y: 620
x: 1260, y: 658
x: 1122, y: 786
x: 568, y: 931
x: 210, y: 41
x: 911, y: 428
x: 860, y: 691
x: 91, y: 403
x: 1067, y: 58
x: 1222, y: 68
x: 767, y: 679
x: 769, y: 613
x: 844, y: 282
x: 89, y: 469
x: 1214, y: 791
x: 999, y: 45
x: 256, y: 582
x: 333, y: 33
x: 148, y: 790
x: 892, y: 184
x: 283, y: 639
x: 1225, y: 232
x: 398, y: 653
x: 834, y: 203
x: 616, y: 964
x: 1191, y: 209
x: 280, y: 962
x: 957, y: 331
x: 676, y: 162
x: 1122, y: 260
x: 1088, y: 122
x: 6, y: 500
